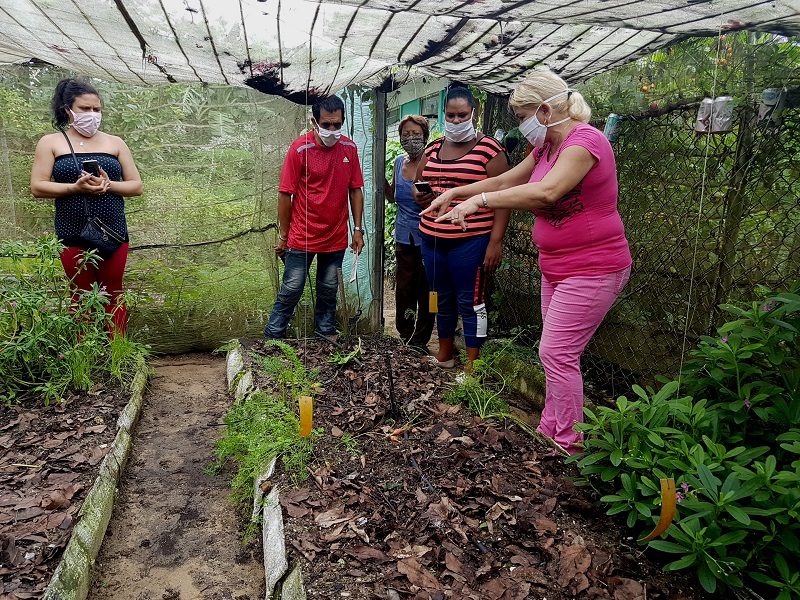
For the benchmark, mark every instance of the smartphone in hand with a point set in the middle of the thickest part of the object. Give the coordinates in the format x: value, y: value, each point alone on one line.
x: 423, y: 187
x: 92, y: 167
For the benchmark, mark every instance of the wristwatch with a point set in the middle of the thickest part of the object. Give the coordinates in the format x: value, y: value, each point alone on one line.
x: 359, y: 229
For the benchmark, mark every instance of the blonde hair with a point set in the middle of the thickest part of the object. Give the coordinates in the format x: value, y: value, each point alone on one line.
x: 542, y: 84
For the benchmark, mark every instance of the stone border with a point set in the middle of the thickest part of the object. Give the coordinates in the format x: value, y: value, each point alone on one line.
x: 72, y: 577
x: 280, y: 584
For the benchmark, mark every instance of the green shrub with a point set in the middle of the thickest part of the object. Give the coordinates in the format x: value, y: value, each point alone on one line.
x: 263, y: 425
x: 728, y: 431
x: 48, y: 343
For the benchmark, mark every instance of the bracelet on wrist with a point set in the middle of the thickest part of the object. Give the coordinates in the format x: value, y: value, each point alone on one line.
x: 485, y: 202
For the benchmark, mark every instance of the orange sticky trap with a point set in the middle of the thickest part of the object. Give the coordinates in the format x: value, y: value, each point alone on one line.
x: 433, y: 302
x: 668, y: 506
x: 306, y: 414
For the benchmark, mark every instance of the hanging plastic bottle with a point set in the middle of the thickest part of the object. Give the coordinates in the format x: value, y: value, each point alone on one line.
x: 773, y: 101
x: 611, y: 130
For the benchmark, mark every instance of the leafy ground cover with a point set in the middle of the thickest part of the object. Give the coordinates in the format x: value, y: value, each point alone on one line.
x: 434, y: 502
x: 728, y: 432
x: 49, y: 459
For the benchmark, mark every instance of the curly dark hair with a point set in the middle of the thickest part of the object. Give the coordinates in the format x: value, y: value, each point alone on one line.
x: 64, y: 97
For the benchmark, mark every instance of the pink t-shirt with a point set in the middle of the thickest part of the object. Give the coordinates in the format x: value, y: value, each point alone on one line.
x: 582, y: 233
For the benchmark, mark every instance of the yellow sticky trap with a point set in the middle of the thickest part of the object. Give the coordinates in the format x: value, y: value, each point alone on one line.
x: 668, y: 505
x: 306, y: 414
x: 433, y: 302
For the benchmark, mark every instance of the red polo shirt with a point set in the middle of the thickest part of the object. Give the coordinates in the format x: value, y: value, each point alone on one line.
x: 320, y: 179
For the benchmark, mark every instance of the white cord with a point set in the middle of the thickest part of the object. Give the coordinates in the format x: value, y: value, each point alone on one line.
x: 699, y: 214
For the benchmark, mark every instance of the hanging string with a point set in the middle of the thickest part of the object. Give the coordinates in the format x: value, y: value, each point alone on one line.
x: 699, y: 211
x: 308, y: 269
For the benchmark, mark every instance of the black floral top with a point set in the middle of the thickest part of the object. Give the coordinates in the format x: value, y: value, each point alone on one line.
x: 109, y: 207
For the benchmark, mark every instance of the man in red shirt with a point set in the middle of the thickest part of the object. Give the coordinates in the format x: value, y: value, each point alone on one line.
x: 321, y: 176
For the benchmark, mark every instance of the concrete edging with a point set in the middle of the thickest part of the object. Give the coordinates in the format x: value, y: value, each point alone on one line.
x: 72, y: 577
x: 279, y: 585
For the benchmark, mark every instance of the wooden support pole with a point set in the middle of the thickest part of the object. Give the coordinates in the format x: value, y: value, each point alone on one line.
x: 378, y: 211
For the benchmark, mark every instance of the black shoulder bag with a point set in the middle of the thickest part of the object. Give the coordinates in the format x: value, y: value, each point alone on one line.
x: 96, y: 233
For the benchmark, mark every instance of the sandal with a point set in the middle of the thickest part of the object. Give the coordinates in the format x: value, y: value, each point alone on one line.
x: 444, y: 364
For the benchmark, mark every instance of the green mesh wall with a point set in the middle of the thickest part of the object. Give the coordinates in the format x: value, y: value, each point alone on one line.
x: 709, y: 217
x: 201, y: 266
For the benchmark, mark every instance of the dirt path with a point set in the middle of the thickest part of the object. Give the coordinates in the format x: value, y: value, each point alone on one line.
x: 174, y: 534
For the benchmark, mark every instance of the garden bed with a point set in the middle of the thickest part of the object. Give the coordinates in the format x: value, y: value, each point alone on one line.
x: 433, y: 502
x: 49, y: 459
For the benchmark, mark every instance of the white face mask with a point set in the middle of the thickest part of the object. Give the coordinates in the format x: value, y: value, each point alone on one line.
x: 329, y: 138
x: 460, y: 132
x: 533, y: 130
x: 86, y: 123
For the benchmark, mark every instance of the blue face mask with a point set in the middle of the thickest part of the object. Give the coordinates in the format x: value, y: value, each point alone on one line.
x: 533, y: 130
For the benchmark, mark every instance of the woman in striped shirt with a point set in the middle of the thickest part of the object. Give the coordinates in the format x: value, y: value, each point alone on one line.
x: 458, y: 260
x: 570, y: 183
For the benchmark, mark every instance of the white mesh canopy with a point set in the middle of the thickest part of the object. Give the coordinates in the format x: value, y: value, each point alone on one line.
x: 301, y: 49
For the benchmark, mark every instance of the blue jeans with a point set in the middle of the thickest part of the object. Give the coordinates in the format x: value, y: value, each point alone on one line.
x: 455, y: 272
x: 295, y: 271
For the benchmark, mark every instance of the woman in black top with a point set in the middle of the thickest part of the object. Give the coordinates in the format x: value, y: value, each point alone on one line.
x: 77, y: 115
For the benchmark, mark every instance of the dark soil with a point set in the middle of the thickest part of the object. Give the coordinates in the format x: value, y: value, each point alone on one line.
x: 49, y: 459
x: 174, y: 533
x: 434, y: 503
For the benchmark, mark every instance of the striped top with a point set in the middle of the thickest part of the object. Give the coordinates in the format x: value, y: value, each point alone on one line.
x: 446, y: 174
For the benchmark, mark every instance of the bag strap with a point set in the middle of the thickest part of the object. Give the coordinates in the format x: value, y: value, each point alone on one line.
x: 72, y: 151
x: 77, y: 166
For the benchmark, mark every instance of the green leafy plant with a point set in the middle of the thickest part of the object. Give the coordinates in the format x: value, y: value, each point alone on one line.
x: 287, y: 372
x: 731, y: 443
x: 342, y: 357
x: 350, y: 444
x: 264, y: 425
x: 480, y: 391
x: 52, y: 340
x: 261, y: 427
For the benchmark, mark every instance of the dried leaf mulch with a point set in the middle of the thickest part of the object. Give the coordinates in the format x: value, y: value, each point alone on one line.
x: 49, y: 460
x: 434, y: 503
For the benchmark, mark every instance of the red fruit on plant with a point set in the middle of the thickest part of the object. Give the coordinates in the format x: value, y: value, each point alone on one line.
x: 654, y: 105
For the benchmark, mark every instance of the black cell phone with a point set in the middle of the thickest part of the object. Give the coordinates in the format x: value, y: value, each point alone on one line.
x: 423, y: 187
x: 92, y: 167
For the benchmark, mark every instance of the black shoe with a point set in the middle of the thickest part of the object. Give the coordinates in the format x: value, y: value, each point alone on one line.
x: 419, y: 349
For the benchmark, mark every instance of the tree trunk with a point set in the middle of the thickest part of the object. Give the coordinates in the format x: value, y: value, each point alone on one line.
x: 736, y: 199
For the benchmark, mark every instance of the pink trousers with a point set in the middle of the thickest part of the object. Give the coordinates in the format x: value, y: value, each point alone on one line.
x: 572, y: 310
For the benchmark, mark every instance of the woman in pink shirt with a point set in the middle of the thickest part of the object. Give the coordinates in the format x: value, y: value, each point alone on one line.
x: 569, y: 181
